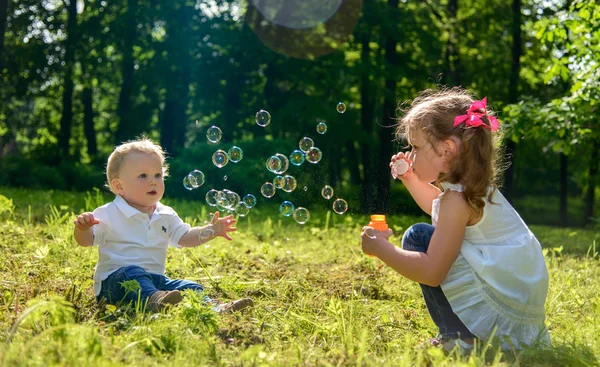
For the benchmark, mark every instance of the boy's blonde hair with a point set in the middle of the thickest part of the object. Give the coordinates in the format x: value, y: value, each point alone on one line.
x: 476, y: 165
x: 140, y: 145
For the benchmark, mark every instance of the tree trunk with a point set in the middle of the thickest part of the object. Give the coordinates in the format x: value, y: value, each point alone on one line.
x: 563, y: 190
x: 452, y: 65
x: 388, y: 118
x: 513, y: 97
x: 590, y: 194
x: 178, y: 84
x: 66, y: 120
x: 367, y: 114
x: 127, y: 127
x: 3, y: 18
x: 353, y: 163
x: 88, y: 122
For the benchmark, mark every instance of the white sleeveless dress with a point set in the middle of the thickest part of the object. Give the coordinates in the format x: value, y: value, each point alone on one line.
x: 499, y: 282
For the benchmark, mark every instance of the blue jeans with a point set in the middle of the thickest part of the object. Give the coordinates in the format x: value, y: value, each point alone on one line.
x: 114, y: 292
x: 417, y: 238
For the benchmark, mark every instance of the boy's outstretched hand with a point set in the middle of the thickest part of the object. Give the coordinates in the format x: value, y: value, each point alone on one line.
x: 222, y: 226
x: 85, y: 221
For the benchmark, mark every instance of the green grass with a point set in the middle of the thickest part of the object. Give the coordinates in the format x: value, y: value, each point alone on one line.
x: 319, y: 300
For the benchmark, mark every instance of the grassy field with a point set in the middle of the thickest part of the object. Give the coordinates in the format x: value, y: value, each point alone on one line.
x: 319, y: 300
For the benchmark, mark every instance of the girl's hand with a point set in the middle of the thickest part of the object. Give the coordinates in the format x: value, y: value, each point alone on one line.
x: 85, y: 221
x: 373, y: 240
x: 406, y: 156
x: 222, y: 226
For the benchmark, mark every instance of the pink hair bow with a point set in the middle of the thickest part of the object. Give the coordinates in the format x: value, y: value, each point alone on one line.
x: 474, y: 115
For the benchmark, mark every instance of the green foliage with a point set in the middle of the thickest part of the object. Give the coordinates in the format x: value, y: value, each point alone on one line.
x: 319, y: 300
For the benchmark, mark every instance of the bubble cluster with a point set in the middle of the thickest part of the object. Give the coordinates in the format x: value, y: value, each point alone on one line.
x: 268, y: 190
x: 214, y: 134
x: 321, y: 128
x: 327, y: 192
x: 220, y: 158
x: 235, y: 154
x: 263, y: 118
x: 225, y: 200
x: 305, y: 144
x: 286, y: 208
x: 193, y: 180
x: 340, y: 206
x: 297, y: 157
x: 314, y: 155
x: 341, y: 107
x: 301, y: 215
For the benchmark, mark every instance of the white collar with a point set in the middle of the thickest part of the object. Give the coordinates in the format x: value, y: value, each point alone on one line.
x: 130, y: 211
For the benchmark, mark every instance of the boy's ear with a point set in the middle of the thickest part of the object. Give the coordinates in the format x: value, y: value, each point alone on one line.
x: 117, y: 185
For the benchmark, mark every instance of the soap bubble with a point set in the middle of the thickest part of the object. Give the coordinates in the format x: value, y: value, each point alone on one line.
x: 225, y: 178
x: 222, y: 201
x: 196, y: 178
x: 301, y: 215
x: 249, y: 200
x: 213, y: 134
x: 242, y: 210
x: 273, y: 164
x: 305, y: 144
x: 340, y: 206
x: 235, y: 154
x: 187, y: 182
x: 327, y: 192
x: 314, y: 155
x: 211, y: 197
x: 232, y: 199
x: 263, y: 118
x: 279, y: 181
x: 286, y: 208
x: 297, y: 157
x: 289, y: 184
x: 321, y: 128
x: 285, y: 163
x: 220, y: 158
x: 268, y: 190
x: 305, y: 188
x: 341, y: 108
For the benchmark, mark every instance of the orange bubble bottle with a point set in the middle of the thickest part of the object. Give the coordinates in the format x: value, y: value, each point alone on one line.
x: 378, y: 222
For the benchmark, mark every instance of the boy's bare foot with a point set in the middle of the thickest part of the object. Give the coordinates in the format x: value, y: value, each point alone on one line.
x: 160, y: 299
x: 238, y: 305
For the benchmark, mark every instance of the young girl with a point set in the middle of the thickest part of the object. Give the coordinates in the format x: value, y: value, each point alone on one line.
x: 481, y: 270
x: 132, y: 233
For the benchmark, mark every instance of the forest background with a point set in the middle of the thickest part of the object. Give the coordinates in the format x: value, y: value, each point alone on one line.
x: 79, y: 77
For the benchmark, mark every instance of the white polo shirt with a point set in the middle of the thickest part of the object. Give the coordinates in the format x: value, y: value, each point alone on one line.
x: 126, y: 236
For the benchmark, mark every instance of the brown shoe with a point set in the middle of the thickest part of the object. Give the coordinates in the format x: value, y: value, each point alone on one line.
x: 238, y: 305
x: 159, y: 299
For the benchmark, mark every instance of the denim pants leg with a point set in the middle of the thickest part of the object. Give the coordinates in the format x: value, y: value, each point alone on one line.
x: 166, y: 284
x: 417, y: 238
x: 114, y: 292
